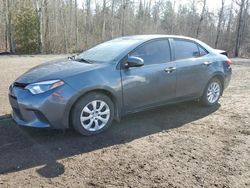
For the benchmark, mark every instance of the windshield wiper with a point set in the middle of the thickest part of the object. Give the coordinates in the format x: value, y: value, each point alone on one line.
x: 82, y: 60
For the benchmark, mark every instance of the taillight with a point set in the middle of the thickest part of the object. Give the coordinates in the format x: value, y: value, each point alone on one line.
x: 229, y: 62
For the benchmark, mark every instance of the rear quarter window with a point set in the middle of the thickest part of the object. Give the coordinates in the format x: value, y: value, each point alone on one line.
x: 203, y: 51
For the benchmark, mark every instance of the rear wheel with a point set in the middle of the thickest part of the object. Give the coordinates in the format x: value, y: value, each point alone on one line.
x: 92, y: 114
x: 212, y: 92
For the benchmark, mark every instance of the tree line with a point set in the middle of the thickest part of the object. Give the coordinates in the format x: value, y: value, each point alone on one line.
x: 68, y: 26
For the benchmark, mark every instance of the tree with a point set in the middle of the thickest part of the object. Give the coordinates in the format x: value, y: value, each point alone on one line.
x: 8, y: 25
x: 46, y: 28
x: 76, y: 25
x: 168, y: 18
x: 104, y: 20
x: 244, y: 5
x: 39, y: 14
x: 123, y: 10
x: 219, y: 22
x: 26, y: 31
x: 64, y: 26
x: 201, y: 18
x: 87, y: 22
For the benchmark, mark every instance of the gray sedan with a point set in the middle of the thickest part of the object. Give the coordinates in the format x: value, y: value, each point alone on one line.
x: 118, y: 77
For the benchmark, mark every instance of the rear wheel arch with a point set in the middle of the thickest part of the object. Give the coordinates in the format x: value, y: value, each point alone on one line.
x: 221, y: 79
x: 218, y: 76
x: 204, y: 98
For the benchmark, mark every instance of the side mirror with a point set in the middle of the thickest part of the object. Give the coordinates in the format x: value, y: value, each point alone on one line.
x: 133, y: 61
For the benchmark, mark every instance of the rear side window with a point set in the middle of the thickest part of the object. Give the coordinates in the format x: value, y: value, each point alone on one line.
x: 153, y: 52
x: 203, y: 52
x: 185, y: 49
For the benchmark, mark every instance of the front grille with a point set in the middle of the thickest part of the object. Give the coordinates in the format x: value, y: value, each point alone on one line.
x: 21, y: 85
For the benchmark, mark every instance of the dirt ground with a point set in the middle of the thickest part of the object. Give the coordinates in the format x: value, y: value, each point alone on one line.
x: 183, y: 145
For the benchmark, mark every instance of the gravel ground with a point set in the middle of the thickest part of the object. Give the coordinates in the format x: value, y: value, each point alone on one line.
x: 183, y: 145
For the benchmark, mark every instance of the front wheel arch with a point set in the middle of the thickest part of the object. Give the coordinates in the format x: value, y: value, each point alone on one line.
x: 92, y: 114
x: 117, y: 114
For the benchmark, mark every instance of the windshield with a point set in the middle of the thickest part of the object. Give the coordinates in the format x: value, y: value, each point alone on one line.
x: 107, y: 51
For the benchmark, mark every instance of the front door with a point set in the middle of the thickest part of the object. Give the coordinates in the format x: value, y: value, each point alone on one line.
x: 153, y: 83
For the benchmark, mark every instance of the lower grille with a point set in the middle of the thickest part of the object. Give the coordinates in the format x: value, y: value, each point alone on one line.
x: 41, y: 117
x: 17, y: 113
x: 13, y: 97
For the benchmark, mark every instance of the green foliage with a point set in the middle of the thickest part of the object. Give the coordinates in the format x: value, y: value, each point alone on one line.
x: 26, y: 31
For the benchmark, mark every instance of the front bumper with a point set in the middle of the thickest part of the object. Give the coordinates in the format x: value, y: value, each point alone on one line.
x: 46, y: 110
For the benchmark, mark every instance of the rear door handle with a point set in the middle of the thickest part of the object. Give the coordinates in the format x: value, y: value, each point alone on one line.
x: 207, y: 62
x: 170, y: 69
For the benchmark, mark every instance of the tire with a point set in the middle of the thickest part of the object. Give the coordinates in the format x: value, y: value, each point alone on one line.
x: 214, y: 96
x: 88, y: 121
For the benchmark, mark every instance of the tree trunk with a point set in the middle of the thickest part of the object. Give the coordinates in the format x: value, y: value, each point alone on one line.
x: 201, y: 18
x: 245, y: 14
x: 6, y: 25
x: 192, y: 28
x: 123, y: 17
x: 9, y: 28
x: 239, y: 29
x: 112, y: 19
x: 46, y: 27
x: 104, y: 19
x: 76, y: 25
x: 63, y: 16
x: 70, y: 25
x: 39, y: 13
x: 87, y: 22
x: 219, y: 23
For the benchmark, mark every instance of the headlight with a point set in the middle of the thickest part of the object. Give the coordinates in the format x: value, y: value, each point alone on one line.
x: 41, y: 87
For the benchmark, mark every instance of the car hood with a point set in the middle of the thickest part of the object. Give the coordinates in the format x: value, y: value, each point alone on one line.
x: 59, y: 69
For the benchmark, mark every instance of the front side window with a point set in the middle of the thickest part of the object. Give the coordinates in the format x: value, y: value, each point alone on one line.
x: 185, y: 49
x: 154, y: 52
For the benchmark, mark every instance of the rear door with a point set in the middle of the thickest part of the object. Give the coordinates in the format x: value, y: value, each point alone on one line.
x: 152, y: 83
x: 192, y: 72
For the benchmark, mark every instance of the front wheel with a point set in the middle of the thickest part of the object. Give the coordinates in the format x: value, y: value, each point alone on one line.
x: 212, y: 93
x: 92, y: 114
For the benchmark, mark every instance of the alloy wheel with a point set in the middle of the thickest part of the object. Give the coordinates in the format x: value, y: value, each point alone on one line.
x: 95, y: 115
x: 213, y: 92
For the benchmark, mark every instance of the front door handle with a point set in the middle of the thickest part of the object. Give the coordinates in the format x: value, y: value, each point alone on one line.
x: 207, y: 62
x: 170, y: 69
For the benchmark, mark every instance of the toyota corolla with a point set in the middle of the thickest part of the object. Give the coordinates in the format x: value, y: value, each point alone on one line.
x: 118, y: 77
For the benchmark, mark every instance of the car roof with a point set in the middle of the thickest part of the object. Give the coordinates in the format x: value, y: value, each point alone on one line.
x: 135, y: 40
x: 149, y: 37
x: 144, y: 38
